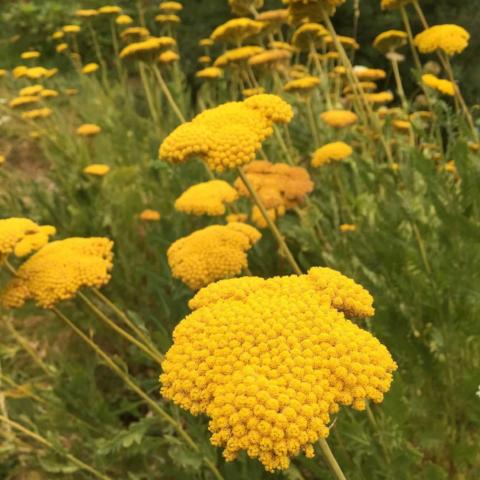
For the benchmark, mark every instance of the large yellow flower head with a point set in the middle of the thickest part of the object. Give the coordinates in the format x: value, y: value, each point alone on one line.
x: 331, y: 152
x: 236, y: 30
x: 146, y: 49
x: 451, y: 39
x: 302, y: 85
x: 270, y: 58
x: 21, y: 236
x: 245, y: 7
x: 23, y: 100
x: 277, y: 184
x: 59, y: 270
x: 237, y: 55
x: 339, y: 118
x: 270, y: 360
x: 72, y: 29
x: 211, y: 254
x: 207, y: 198
x: 170, y: 6
x: 390, y: 40
x: 273, y: 17
x: 229, y: 135
x: 30, y: 90
x: 443, y: 86
x: 393, y: 4
x: 124, y: 20
x: 109, y: 10
x: 365, y: 73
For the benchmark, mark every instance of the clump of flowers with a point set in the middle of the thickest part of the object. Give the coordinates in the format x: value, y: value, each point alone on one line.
x: 237, y: 55
x: 449, y: 38
x: 207, y: 198
x: 302, y: 85
x: 331, y: 152
x: 236, y: 30
x: 211, y: 254
x: 443, y: 86
x: 145, y: 50
x: 58, y: 270
x: 270, y: 360
x: 229, y: 135
x: 37, y: 113
x: 339, y: 118
x: 365, y: 73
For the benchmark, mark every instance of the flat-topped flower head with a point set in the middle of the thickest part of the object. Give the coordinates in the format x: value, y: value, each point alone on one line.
x: 211, y: 254
x: 390, y: 40
x: 124, y: 20
x: 90, y: 68
x: 49, y: 93
x: 380, y: 97
x: 245, y: 7
x: 170, y: 6
x: 30, y: 55
x: 237, y: 55
x: 86, y: 13
x: 308, y: 35
x: 277, y: 184
x: 167, y: 57
x: 207, y: 198
x: 58, y: 270
x: 88, y: 130
x: 30, y: 90
x: 236, y: 30
x: 37, y: 113
x: 365, y: 73
x: 393, y: 4
x: 149, y: 215
x: 443, y: 86
x: 210, y: 73
x: 166, y: 19
x: 96, y: 169
x: 331, y: 152
x: 229, y: 135
x: 270, y: 58
x: 268, y: 361
x: 110, y: 10
x: 303, y: 85
x: 62, y: 47
x: 273, y: 17
x: 17, y: 233
x: 71, y: 29
x: 23, y: 100
x: 134, y: 34
x: 339, y: 118
x: 451, y: 39
x: 147, y: 49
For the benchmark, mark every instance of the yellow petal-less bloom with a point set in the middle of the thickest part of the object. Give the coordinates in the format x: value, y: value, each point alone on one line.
x: 137, y: 33
x: 30, y: 55
x: 13, y: 231
x: 96, y: 169
x: 331, y: 152
x: 347, y: 227
x: 380, y: 97
x: 207, y: 198
x: 34, y: 242
x: 71, y: 29
x: 3, y: 159
x: 110, y: 10
x: 250, y: 92
x: 170, y: 6
x: 86, y: 13
x: 237, y: 55
x: 273, y: 17
x: 124, y: 20
x: 268, y: 361
x: 169, y: 56
x: 147, y: 49
x: 390, y: 40
x: 20, y: 71
x: 71, y: 92
x: 211, y: 254
x: 210, y: 73
x: 270, y: 58
x: 37, y: 113
x: 88, y: 130
x: 168, y: 19
x: 443, y: 86
x: 149, y: 215
x: 236, y: 30
x: 402, y: 125
x: 62, y: 47
x: 31, y: 90
x: 449, y: 38
x: 48, y: 93
x: 58, y: 270
x: 90, y: 68
x: 205, y: 59
x: 309, y: 34
x: 302, y: 85
x: 205, y: 42
x: 229, y: 135
x: 58, y: 35
x: 339, y: 118
x: 237, y: 217
x: 23, y: 100
x: 364, y: 73
x: 344, y: 40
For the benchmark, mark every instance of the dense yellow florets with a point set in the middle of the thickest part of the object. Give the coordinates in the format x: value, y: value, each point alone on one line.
x: 170, y: 6
x: 124, y: 20
x: 135, y: 33
x: 88, y: 130
x: 270, y: 360
x: 30, y: 55
x: 59, y: 270
x: 146, y: 49
x: 390, y: 40
x: 443, y: 86
x: 37, y: 113
x: 90, y: 68
x: 96, y: 169
x: 229, y: 135
x: 23, y: 100
x: 451, y: 39
x: 149, y: 215
x: 236, y: 30
x: 207, y: 198
x: 110, y: 10
x: 339, y: 118
x: 210, y: 73
x: 332, y: 152
x: 236, y: 55
x: 302, y: 85
x: 364, y: 73
x: 270, y: 58
x: 213, y: 253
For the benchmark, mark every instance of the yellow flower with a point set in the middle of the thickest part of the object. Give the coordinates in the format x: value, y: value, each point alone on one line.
x: 3, y: 72
x: 210, y: 73
x: 36, y: 73
x: 236, y: 30
x: 250, y: 92
x: 135, y: 32
x: 205, y: 42
x: 402, y: 125
x: 30, y: 55
x: 393, y: 4
x: 204, y: 60
x: 110, y: 10
x: 364, y: 73
x: 309, y: 34
x: 207, y: 198
x: 86, y: 13
x: 71, y: 29
x: 380, y: 97
x: 15, y: 231
x: 169, y: 56
x: 273, y: 213
x: 474, y: 146
x: 366, y: 87
x: 23, y: 100
x: 237, y: 55
x: 31, y: 90
x: 59, y: 270
x: 244, y: 7
x: 302, y: 85
x: 345, y: 41
x: 268, y: 361
x: 236, y: 217
x: 450, y: 167
x: 170, y: 6
x: 88, y: 130
x: 270, y: 58
x: 2, y: 159
x: 61, y: 47
x: 48, y: 93
x: 390, y: 40
x: 331, y: 152
x: 96, y: 169
x: 339, y: 118
x: 443, y: 86
x: 124, y: 20
x: 451, y: 39
x: 90, y: 68
x: 277, y: 184
x: 301, y: 11
x: 147, y: 49
x: 58, y: 35
x: 229, y: 135
x: 37, y: 113
x: 149, y: 215
x: 71, y: 92
x: 347, y: 227
x: 19, y: 72
x: 170, y: 18
x: 273, y: 17
x: 213, y: 253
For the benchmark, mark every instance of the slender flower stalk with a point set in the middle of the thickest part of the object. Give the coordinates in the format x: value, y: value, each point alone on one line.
x: 168, y: 95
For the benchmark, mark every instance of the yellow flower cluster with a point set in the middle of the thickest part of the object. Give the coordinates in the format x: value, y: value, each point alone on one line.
x: 149, y: 215
x: 211, y: 254
x: 443, y: 86
x: 37, y: 113
x: 30, y: 55
x: 109, y: 10
x: 236, y: 30
x: 277, y: 184
x: 270, y: 360
x: 59, y: 270
x: 136, y: 33
x: 229, y: 135
x: 393, y: 4
x: 364, y: 73
x: 237, y: 55
x: 347, y: 227
x: 22, y: 236
x: 167, y: 57
x: 308, y: 34
x: 210, y: 73
x: 390, y: 40
x: 380, y: 97
x: 146, y: 49
x: 86, y: 13
x: 449, y: 38
x: 339, y: 118
x: 88, y: 130
x: 124, y: 20
x: 331, y: 152
x: 170, y: 6
x: 23, y: 100
x: 244, y: 7
x: 270, y: 58
x: 302, y: 85
x: 96, y: 169
x: 273, y: 17
x: 90, y: 68
x: 207, y: 198
x: 169, y: 18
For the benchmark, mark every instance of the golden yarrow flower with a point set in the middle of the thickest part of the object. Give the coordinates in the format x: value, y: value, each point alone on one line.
x: 61, y: 47
x: 270, y: 58
x: 147, y: 49
x: 23, y: 100
x: 339, y: 118
x: 245, y: 7
x: 449, y: 38
x: 331, y: 152
x: 390, y: 40
x: 302, y: 85
x: 393, y: 4
x: 211, y: 254
x: 364, y: 73
x: 308, y: 35
x: 96, y: 169
x: 31, y: 90
x: 86, y: 13
x: 169, y: 56
x: 71, y: 29
x: 149, y: 215
x: 237, y: 55
x: 347, y: 227
x: 124, y: 20
x: 88, y: 130
x: 137, y: 33
x: 269, y: 361
x: 37, y: 113
x: 210, y: 73
x: 30, y: 55
x: 110, y: 10
x: 170, y: 18
x: 90, y: 68
x: 236, y: 30
x: 250, y: 92
x: 170, y: 6
x: 443, y: 86
x: 207, y: 198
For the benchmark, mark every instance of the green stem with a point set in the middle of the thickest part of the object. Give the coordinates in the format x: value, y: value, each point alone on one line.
x: 331, y: 460
x: 148, y: 93
x: 168, y: 95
